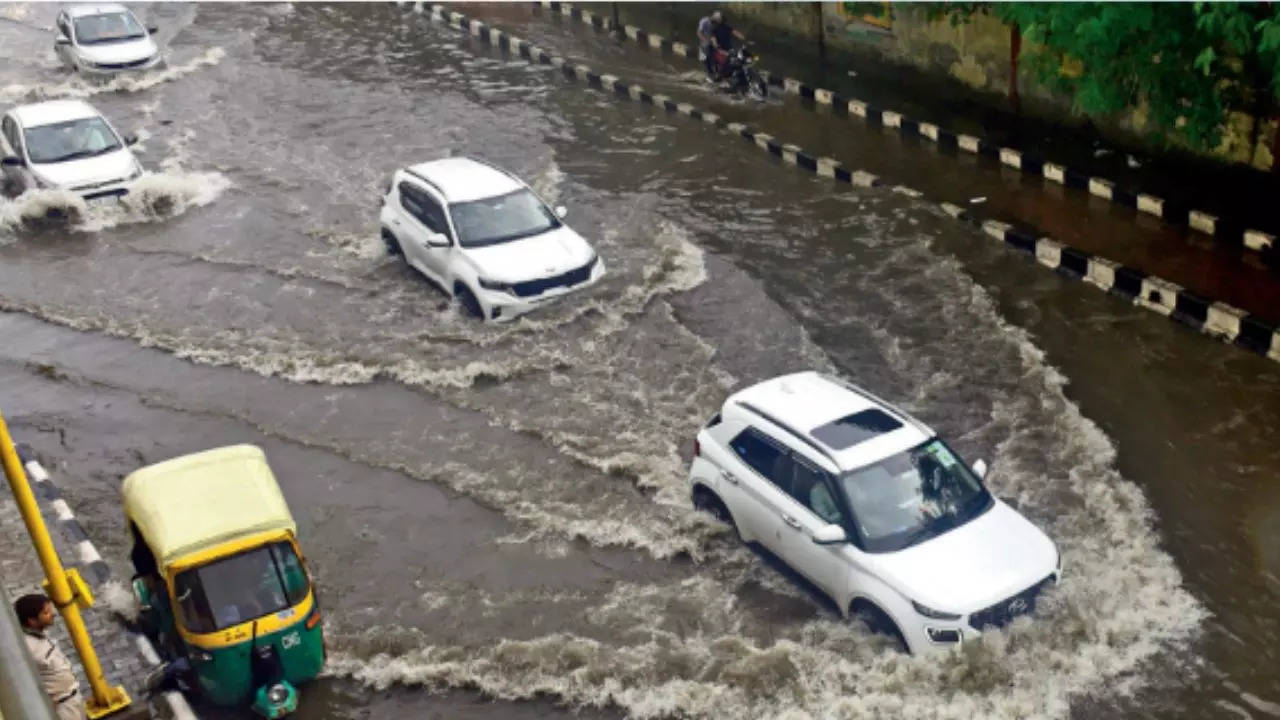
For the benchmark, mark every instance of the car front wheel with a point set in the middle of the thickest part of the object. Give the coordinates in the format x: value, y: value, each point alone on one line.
x: 393, y: 245
x: 469, y: 301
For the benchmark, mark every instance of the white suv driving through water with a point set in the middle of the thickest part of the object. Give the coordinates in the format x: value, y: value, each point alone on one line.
x: 872, y: 507
x: 104, y: 39
x: 66, y: 144
x: 484, y: 237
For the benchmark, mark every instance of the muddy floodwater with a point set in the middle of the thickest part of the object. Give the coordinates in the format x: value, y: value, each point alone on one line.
x: 498, y: 516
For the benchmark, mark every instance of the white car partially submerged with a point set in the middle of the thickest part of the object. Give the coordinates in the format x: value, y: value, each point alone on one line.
x: 873, y: 508
x: 66, y: 144
x: 104, y: 39
x: 484, y: 237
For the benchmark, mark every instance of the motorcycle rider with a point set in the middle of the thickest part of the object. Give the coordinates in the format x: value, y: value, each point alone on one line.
x: 716, y: 35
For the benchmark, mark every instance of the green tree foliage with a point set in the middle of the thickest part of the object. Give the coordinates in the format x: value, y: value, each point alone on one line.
x: 1187, y: 64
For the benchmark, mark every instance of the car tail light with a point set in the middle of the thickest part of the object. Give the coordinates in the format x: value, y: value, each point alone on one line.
x: 697, y: 448
x: 314, y: 619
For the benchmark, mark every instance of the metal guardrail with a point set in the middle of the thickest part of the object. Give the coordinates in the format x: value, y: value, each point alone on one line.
x: 21, y: 695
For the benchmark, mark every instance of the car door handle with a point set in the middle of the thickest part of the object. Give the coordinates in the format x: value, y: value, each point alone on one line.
x: 791, y: 521
x: 728, y: 477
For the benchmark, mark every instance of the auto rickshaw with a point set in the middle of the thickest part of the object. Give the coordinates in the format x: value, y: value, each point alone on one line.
x: 221, y: 581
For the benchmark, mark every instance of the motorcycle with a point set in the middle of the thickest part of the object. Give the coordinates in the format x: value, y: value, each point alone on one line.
x: 737, y: 68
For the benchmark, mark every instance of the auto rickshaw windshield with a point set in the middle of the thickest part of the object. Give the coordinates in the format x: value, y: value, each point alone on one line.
x: 240, y: 588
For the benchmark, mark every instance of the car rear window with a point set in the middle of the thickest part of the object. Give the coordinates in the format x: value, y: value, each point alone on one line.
x: 856, y: 428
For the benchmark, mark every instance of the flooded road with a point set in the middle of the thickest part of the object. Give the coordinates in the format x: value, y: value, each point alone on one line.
x: 498, y: 516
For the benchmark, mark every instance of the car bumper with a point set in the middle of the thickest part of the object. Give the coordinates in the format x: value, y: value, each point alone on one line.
x: 121, y: 68
x: 501, y: 306
x: 929, y: 634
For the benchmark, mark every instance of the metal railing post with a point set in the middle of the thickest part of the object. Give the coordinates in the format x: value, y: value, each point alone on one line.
x: 60, y: 582
x: 21, y: 695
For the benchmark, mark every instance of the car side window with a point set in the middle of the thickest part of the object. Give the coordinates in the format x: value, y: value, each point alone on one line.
x: 423, y: 207
x: 811, y: 487
x: 64, y: 27
x: 764, y: 455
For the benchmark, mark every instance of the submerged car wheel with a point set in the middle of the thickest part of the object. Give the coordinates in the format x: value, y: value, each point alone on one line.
x: 469, y: 301
x: 706, y: 501
x: 393, y: 245
x: 879, y: 623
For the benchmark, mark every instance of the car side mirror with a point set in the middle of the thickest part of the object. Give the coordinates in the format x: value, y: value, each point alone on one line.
x: 561, y: 211
x: 130, y: 140
x: 829, y: 535
x: 13, y: 161
x: 152, y: 29
x: 980, y: 469
x: 437, y: 240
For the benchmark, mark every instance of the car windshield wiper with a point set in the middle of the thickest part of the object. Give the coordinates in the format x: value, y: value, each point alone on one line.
x: 80, y: 154
x: 924, y: 532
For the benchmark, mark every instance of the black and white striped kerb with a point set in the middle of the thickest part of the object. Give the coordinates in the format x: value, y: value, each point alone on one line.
x: 1178, y: 214
x: 88, y: 559
x: 93, y: 567
x: 1215, y: 319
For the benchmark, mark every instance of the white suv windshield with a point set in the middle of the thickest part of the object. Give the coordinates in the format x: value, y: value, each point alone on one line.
x: 110, y: 27
x: 70, y: 140
x: 912, y: 496
x: 502, y: 218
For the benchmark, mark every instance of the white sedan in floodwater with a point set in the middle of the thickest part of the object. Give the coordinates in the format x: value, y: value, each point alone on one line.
x: 66, y: 144
x: 104, y: 39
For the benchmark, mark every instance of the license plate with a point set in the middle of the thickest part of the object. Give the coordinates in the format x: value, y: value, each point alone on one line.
x: 104, y: 200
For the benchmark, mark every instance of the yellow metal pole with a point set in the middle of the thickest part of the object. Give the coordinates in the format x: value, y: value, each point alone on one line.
x: 106, y: 699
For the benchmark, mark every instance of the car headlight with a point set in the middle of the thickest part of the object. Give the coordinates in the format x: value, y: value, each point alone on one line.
x: 931, y: 613
x: 495, y: 285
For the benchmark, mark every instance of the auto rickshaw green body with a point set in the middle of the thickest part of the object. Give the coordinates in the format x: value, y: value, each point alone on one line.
x: 221, y: 580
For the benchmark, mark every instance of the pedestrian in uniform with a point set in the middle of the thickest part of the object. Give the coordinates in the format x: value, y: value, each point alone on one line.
x: 36, y: 614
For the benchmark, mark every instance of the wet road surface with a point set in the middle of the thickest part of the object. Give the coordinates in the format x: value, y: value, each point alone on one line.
x: 497, y: 516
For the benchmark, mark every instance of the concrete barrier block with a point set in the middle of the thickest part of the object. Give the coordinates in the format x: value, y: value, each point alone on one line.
x: 954, y: 211
x: 1100, y: 187
x: 660, y: 100
x: 822, y: 97
x: 1048, y: 253
x: 736, y: 128
x: 684, y: 109
x: 929, y: 130
x: 968, y: 143
x: 655, y: 41
x: 857, y: 107
x: 862, y: 178
x: 1011, y: 157
x: 1258, y: 240
x: 588, y: 17
x: 1274, y: 354
x: 791, y: 85
x: 827, y: 166
x: 558, y: 62
x: 762, y: 140
x: 1056, y: 173
x: 474, y: 26
x: 710, y: 118
x: 635, y: 91
x: 789, y: 153
x: 632, y: 31
x: 1159, y: 295
x: 679, y: 48
x: 566, y: 9
x: 996, y: 229
x: 1151, y: 205
x: 457, y: 18
x: 1202, y: 221
x: 608, y: 81
x: 495, y: 37
x: 1102, y: 273
x: 889, y: 118
x: 909, y: 192
x: 582, y: 71
x: 1223, y: 320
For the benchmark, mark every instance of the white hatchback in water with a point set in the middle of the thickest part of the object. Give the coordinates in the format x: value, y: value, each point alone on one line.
x: 872, y: 507
x: 484, y: 237
x: 104, y: 39
x: 66, y: 144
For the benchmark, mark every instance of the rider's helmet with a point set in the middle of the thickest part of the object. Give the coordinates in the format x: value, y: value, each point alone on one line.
x: 717, y: 17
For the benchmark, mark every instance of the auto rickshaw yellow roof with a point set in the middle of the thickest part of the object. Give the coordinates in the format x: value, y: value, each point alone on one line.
x: 204, y: 499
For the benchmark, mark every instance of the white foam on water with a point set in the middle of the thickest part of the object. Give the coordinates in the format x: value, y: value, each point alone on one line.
x: 119, y: 598
x: 548, y: 183
x: 77, y: 87
x: 41, y: 208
